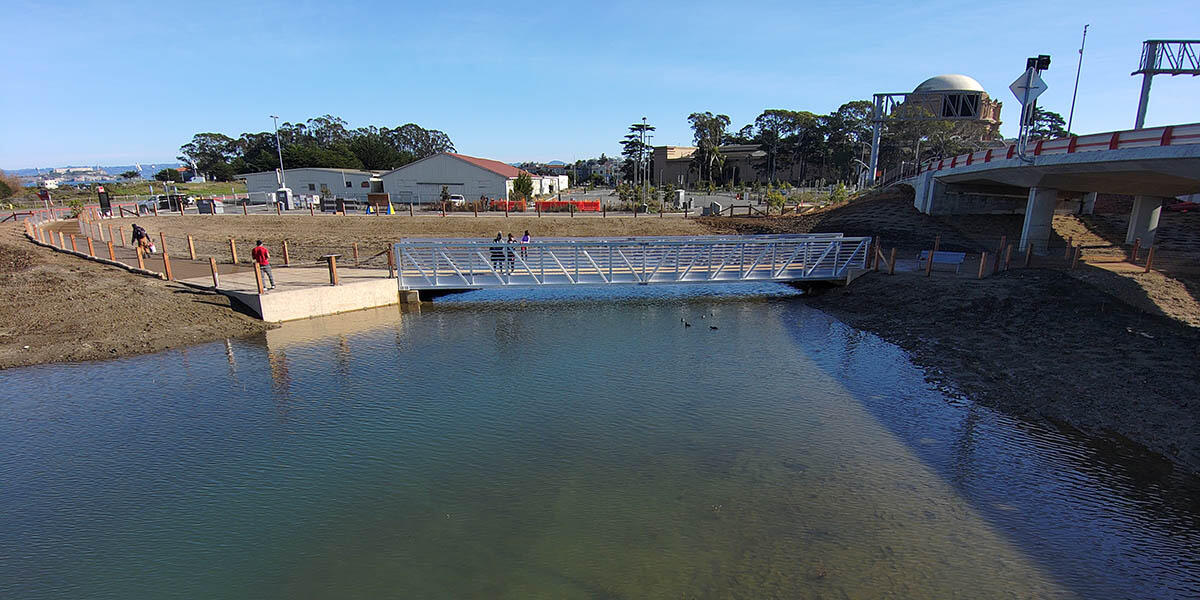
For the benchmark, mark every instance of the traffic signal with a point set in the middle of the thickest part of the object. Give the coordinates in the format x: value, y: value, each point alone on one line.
x: 1041, y: 62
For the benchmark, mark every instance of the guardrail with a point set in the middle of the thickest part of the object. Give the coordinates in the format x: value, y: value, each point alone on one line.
x: 459, y: 264
x: 1171, y: 135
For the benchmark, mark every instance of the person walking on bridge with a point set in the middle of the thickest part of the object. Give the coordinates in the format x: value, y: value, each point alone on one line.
x: 262, y: 256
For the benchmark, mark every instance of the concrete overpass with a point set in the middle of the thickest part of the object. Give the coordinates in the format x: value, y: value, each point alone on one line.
x: 1152, y: 165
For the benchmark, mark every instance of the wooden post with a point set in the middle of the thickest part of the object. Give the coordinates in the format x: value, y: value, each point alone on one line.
x: 475, y: 207
x: 245, y: 210
x: 443, y: 209
x: 571, y: 207
x: 999, y: 253
x: 538, y: 207
x: 62, y: 240
x: 167, y: 265
x: 982, y: 264
x: 212, y: 264
x: 603, y: 209
x: 1075, y: 258
x: 141, y: 259
x: 356, y: 254
x: 410, y: 209
x: 111, y: 255
x: 391, y: 262
x: 233, y: 250
x: 162, y: 237
x: 1070, y: 246
x: 1137, y: 245
x: 929, y: 263
x: 73, y: 248
x: 278, y: 213
x: 191, y: 248
x: 892, y: 263
x: 331, y: 259
x: 111, y: 237
x: 506, y: 208
x: 91, y: 248
x: 258, y: 278
x: 312, y: 212
x: 181, y: 208
x: 287, y: 259
x: 1007, y: 257
x: 1028, y: 254
x: 155, y: 205
x: 1149, y: 259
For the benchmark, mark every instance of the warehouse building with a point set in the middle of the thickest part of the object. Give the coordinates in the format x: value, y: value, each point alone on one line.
x: 421, y: 182
x: 308, y: 182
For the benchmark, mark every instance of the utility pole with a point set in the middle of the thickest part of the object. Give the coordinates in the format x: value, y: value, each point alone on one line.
x: 1078, y: 69
x: 279, y: 148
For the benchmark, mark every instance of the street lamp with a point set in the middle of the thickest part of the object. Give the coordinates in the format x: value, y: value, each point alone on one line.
x: 279, y: 148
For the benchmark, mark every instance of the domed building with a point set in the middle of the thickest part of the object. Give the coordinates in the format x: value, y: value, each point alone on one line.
x: 958, y: 97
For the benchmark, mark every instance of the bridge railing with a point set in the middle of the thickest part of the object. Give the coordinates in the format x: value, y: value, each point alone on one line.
x: 454, y: 264
x: 1171, y: 135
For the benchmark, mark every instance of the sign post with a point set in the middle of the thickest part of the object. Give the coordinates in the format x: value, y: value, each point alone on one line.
x: 1027, y: 87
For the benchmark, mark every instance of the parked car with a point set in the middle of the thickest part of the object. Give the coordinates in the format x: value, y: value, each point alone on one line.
x: 457, y: 200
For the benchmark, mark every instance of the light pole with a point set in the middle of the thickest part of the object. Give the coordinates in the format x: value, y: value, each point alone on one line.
x: 1078, y: 69
x: 279, y: 148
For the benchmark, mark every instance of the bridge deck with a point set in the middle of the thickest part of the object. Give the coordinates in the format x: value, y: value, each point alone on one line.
x: 441, y: 264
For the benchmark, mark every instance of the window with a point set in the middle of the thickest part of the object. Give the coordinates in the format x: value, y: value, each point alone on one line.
x: 348, y: 184
x: 365, y: 184
x: 312, y: 187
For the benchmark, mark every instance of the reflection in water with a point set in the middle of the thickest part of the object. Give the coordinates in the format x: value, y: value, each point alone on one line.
x: 563, y: 448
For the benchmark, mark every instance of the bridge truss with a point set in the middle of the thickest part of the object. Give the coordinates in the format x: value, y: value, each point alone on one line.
x: 473, y: 264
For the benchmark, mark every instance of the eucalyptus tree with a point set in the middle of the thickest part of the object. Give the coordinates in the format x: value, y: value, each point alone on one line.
x: 708, y: 134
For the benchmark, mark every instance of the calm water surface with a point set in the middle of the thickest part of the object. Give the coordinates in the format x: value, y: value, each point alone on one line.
x: 564, y: 447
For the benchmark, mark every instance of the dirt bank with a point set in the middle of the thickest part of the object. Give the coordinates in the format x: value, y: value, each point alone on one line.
x: 59, y: 308
x: 1043, y: 344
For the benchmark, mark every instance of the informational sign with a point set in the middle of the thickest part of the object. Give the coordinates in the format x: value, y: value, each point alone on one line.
x: 1028, y: 82
x: 105, y: 202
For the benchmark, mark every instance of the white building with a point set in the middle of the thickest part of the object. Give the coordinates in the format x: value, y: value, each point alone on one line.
x: 421, y: 182
x: 313, y: 181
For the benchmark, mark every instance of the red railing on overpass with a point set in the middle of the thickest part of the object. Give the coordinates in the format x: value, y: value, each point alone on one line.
x: 1171, y: 135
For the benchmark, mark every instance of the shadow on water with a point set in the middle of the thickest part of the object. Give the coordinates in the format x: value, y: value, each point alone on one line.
x: 1025, y: 476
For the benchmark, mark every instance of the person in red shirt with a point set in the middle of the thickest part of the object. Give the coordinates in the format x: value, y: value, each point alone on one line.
x: 262, y: 256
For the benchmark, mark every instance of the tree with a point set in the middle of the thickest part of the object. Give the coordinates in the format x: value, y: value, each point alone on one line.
x: 634, y: 150
x: 130, y: 175
x: 785, y: 135
x: 169, y: 175
x: 708, y: 134
x: 1047, y: 125
x: 523, y: 187
x: 10, y: 185
x: 207, y: 150
x: 221, y: 171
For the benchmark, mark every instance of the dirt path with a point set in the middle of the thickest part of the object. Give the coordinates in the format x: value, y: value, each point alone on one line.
x: 59, y: 308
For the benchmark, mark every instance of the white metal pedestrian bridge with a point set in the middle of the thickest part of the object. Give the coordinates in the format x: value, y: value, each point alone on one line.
x: 428, y: 264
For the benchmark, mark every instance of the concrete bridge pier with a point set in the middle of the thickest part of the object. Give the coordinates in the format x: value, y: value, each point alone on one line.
x: 1039, y: 215
x: 1143, y: 220
x: 1087, y: 206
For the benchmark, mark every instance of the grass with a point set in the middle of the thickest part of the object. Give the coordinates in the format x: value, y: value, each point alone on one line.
x: 140, y: 187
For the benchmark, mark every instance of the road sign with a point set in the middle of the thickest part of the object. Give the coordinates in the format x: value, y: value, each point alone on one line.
x: 1036, y: 87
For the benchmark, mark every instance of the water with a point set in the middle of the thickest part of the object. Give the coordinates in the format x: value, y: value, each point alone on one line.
x: 492, y: 447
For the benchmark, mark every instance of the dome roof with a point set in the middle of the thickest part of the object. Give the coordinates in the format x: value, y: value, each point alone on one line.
x: 949, y: 83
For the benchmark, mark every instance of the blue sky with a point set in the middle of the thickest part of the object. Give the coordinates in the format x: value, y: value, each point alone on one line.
x: 114, y: 82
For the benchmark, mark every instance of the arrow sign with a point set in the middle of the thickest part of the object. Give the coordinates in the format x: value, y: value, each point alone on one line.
x: 1036, y: 87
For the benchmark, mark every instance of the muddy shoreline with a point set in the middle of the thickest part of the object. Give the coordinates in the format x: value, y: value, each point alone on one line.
x: 1042, y: 344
